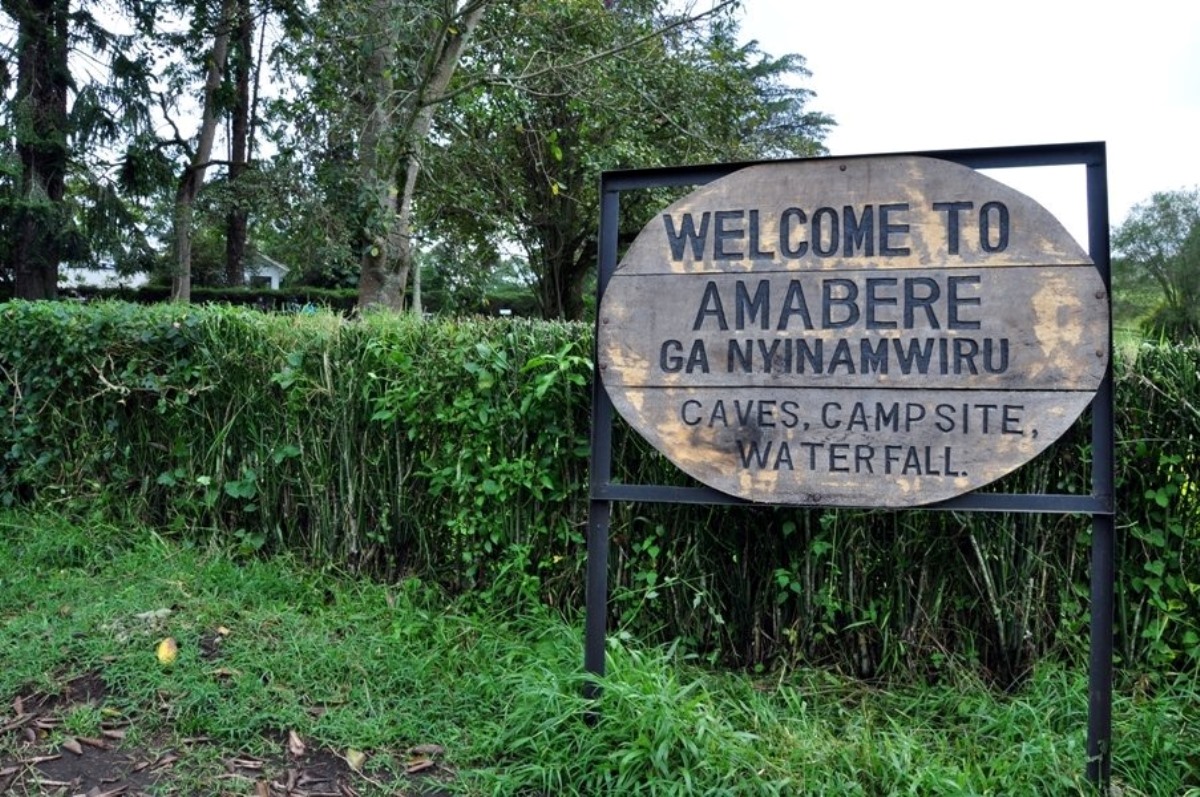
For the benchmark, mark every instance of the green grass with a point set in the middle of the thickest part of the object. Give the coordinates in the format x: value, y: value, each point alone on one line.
x: 270, y: 646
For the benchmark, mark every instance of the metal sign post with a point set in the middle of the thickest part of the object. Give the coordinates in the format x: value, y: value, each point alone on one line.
x: 1099, y: 504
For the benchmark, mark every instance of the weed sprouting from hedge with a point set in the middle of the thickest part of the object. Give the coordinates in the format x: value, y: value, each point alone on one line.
x: 457, y: 451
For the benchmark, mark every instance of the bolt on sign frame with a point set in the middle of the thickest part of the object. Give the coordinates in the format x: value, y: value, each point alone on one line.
x: 1099, y: 504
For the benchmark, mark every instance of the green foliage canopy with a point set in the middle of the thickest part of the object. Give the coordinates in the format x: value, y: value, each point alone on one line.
x: 571, y: 90
x: 1160, y: 244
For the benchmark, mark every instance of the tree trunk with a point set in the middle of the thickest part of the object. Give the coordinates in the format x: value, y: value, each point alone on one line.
x: 239, y: 154
x: 374, y: 287
x: 386, y: 264
x: 193, y: 176
x: 40, y: 108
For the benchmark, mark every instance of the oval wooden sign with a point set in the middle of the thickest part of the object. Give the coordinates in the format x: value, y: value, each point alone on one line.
x: 879, y: 332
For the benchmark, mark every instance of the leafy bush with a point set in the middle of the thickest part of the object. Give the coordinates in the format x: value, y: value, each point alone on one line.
x: 457, y: 451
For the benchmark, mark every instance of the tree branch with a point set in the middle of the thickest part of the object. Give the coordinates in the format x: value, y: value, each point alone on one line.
x: 611, y: 51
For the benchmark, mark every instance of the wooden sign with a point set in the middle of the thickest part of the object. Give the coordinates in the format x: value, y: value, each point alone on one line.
x: 879, y: 332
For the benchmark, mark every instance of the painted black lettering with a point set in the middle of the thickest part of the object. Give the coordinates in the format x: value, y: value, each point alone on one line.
x: 952, y: 226
x: 1011, y: 419
x: 913, y: 414
x: 784, y: 458
x: 792, y: 218
x: 749, y: 309
x: 827, y: 230
x: 989, y: 348
x: 873, y: 360
x: 985, y: 226
x: 770, y: 356
x: 756, y: 252
x: 965, y: 351
x: 874, y: 300
x: 691, y: 419
x: 945, y: 417
x: 863, y: 454
x: 744, y: 357
x: 813, y: 358
x: 743, y: 411
x: 794, y: 304
x: 812, y: 453
x: 718, y: 417
x: 766, y: 413
x: 954, y: 302
x: 842, y: 357
x: 698, y: 359
x: 791, y: 418
x: 838, y: 454
x: 849, y: 301
x: 724, y: 234
x: 858, y: 418
x: 670, y: 357
x: 917, y: 354
x: 687, y: 234
x: 751, y: 455
x: 887, y: 416
x: 828, y: 415
x: 710, y: 305
x: 887, y: 229
x: 860, y: 231
x: 913, y: 301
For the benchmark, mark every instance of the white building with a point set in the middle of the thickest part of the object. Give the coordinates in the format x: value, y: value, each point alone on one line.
x: 263, y: 272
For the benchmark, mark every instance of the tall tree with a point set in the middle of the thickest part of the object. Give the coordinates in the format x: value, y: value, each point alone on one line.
x: 391, y: 159
x: 193, y: 174
x: 239, y: 144
x: 372, y: 75
x: 594, y: 90
x: 1159, y: 244
x: 80, y: 89
x: 41, y: 125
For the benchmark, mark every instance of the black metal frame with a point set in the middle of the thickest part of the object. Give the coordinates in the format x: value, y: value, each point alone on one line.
x: 1099, y: 504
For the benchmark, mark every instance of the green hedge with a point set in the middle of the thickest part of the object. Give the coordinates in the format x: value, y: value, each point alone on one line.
x: 457, y: 451
x: 284, y: 299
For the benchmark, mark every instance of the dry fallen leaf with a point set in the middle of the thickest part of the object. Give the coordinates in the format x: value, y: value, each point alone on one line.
x: 117, y: 792
x: 167, y: 651
x: 426, y: 750
x: 356, y: 759
x: 73, y: 745
x: 418, y: 765
x: 165, y: 760
x: 295, y: 744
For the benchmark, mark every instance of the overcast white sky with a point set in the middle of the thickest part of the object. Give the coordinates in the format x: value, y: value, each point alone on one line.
x: 948, y: 74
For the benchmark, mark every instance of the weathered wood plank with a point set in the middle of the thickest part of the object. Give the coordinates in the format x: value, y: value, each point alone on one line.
x: 875, y: 447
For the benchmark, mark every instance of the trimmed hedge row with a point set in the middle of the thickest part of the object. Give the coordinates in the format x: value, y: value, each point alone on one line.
x: 457, y: 451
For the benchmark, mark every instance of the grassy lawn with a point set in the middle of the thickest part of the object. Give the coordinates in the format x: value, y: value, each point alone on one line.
x: 290, y: 680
